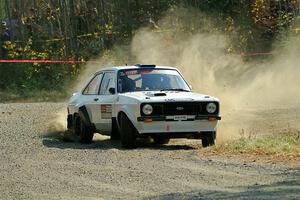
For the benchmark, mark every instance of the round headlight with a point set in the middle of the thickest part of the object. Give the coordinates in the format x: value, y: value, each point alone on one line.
x: 211, y: 108
x: 147, y: 109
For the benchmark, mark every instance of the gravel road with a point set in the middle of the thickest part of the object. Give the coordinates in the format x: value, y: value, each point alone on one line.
x: 35, y: 164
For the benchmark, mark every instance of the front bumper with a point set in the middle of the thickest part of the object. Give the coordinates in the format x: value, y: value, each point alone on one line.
x: 164, y: 125
x: 189, y: 118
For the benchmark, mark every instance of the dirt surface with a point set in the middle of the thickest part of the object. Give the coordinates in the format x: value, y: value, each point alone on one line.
x: 35, y: 164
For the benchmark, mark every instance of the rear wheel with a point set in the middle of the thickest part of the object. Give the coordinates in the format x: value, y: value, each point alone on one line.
x: 209, y: 139
x: 85, y: 134
x: 127, y: 132
x: 160, y: 140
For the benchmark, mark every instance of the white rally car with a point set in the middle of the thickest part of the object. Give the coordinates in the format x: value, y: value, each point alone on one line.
x: 142, y: 101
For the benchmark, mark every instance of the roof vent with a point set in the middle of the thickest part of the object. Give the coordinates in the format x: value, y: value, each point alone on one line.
x: 140, y: 65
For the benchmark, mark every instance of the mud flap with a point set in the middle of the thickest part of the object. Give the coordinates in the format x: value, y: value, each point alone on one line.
x: 70, y: 121
x: 115, y: 134
x: 84, y: 115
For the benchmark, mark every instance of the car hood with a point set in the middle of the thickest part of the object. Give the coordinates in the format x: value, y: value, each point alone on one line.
x: 167, y: 96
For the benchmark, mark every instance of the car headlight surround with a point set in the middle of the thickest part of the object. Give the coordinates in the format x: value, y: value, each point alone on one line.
x: 211, y: 108
x: 147, y: 109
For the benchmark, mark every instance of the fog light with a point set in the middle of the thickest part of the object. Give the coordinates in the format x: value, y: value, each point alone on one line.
x: 211, y: 119
x: 147, y: 120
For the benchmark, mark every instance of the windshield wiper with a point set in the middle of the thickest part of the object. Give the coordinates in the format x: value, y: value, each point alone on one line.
x: 175, y: 89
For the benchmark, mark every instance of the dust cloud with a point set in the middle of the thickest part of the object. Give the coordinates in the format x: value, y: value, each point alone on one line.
x: 247, y: 90
x: 57, y: 125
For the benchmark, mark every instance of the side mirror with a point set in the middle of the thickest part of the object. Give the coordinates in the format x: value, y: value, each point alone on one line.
x: 112, y: 90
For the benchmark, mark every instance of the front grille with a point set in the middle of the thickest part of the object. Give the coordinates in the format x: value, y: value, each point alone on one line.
x: 179, y: 108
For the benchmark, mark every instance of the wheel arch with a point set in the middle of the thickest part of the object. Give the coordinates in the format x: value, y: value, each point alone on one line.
x: 130, y: 119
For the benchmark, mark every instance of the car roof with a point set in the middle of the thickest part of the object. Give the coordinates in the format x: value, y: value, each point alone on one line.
x: 117, y: 68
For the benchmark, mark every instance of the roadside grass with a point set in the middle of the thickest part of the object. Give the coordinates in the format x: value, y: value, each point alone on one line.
x: 283, y: 144
x: 32, y: 96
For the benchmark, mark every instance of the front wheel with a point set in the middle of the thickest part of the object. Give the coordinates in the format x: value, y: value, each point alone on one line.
x: 127, y: 132
x: 209, y: 139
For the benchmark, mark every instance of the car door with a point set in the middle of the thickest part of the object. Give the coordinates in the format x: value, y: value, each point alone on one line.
x: 90, y: 98
x: 107, y: 99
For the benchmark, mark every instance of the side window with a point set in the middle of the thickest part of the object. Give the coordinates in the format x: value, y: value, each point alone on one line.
x: 93, y: 87
x: 107, y: 83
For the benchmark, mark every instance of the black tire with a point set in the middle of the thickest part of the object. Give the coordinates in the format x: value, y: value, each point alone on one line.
x: 160, y: 140
x: 208, y: 139
x: 114, y: 135
x: 85, y: 134
x: 127, y: 132
x: 76, y: 126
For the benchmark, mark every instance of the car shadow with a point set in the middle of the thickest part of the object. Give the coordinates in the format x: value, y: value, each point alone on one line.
x: 63, y: 140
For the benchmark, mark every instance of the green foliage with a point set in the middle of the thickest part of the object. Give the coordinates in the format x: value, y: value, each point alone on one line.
x: 33, y: 95
x: 285, y: 144
x: 2, y: 10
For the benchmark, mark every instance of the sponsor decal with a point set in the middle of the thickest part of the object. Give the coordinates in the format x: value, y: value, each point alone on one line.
x: 170, y: 100
x: 131, y: 72
x: 135, y: 72
x: 106, y: 111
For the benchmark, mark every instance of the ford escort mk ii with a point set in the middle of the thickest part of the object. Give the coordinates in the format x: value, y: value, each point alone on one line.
x: 131, y: 102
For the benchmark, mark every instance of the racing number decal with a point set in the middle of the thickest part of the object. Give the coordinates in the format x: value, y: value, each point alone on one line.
x: 106, y: 111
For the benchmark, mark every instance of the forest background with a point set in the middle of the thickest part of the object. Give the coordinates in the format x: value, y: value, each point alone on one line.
x: 83, y: 30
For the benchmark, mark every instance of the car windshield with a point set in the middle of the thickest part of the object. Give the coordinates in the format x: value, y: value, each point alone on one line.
x: 150, y: 79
